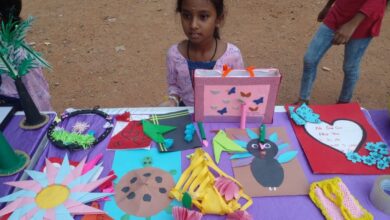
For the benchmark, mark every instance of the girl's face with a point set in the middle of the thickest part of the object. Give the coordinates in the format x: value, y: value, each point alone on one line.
x: 199, y: 20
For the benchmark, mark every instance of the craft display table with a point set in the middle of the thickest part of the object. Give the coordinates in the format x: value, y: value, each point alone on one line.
x: 31, y: 142
x: 288, y: 207
x: 281, y: 207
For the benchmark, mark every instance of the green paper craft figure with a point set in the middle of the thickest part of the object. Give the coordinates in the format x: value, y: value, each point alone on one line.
x: 17, y: 58
x: 156, y: 132
x: 222, y: 143
x: 11, y: 161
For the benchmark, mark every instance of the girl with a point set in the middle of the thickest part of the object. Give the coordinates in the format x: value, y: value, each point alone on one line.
x: 203, y: 49
x: 34, y: 80
x: 352, y: 23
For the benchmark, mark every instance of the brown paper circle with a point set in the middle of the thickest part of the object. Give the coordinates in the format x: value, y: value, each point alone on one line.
x: 144, y: 192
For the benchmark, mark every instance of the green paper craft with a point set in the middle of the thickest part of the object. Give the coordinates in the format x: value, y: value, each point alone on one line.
x: 11, y: 161
x: 84, y: 140
x: 222, y: 143
x: 155, y: 132
x: 187, y: 200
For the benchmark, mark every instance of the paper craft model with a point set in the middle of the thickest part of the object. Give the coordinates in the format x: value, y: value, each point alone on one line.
x: 16, y: 60
x: 219, y: 97
x: 57, y: 194
x: 268, y: 167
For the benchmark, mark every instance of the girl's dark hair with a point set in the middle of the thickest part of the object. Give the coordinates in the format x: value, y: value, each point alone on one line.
x: 10, y: 9
x: 219, y: 7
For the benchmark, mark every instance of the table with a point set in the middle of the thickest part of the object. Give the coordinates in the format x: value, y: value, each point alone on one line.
x: 29, y: 141
x: 284, y: 207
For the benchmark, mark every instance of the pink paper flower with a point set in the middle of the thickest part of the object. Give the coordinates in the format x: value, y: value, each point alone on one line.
x: 227, y: 188
x: 181, y: 213
x: 239, y: 215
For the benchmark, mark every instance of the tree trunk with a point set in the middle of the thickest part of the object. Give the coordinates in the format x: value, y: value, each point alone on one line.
x: 33, y: 116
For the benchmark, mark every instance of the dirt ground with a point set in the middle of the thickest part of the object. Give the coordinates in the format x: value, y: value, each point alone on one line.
x: 112, y: 53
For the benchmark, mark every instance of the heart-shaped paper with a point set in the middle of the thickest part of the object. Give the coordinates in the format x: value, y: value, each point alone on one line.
x: 342, y: 135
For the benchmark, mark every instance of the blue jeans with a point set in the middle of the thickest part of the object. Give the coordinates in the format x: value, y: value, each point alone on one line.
x: 353, y: 53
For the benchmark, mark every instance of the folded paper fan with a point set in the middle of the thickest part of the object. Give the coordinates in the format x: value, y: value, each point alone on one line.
x: 181, y: 213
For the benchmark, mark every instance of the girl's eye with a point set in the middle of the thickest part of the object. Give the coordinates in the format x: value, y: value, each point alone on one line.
x: 255, y: 146
x: 186, y: 15
x: 204, y: 17
x: 267, y: 145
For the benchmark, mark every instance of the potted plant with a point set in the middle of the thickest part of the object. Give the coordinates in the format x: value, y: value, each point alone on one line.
x: 17, y: 58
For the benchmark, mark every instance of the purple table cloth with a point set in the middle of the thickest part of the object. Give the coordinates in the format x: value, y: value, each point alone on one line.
x: 20, y: 139
x: 299, y: 207
x: 283, y: 207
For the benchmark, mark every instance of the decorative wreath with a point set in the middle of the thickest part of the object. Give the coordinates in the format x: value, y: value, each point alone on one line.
x: 78, y: 139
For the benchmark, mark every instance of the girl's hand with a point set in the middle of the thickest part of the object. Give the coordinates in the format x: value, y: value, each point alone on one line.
x: 168, y: 103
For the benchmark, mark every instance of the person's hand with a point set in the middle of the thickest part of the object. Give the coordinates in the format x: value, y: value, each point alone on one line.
x: 168, y: 103
x: 344, y: 33
x: 322, y: 14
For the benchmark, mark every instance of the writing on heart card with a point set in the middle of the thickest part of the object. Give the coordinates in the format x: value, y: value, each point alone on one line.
x: 343, y: 129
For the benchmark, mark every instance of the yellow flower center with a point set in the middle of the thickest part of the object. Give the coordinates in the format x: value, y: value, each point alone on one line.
x: 52, y: 196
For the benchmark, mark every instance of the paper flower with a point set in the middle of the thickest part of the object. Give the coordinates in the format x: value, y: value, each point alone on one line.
x: 381, y: 145
x: 80, y: 127
x: 239, y: 215
x: 383, y: 151
x: 368, y: 160
x: 227, y: 188
x: 181, y: 213
x: 354, y: 157
x: 371, y: 146
x: 381, y: 164
x: 386, y: 159
x: 376, y: 156
x: 57, y: 193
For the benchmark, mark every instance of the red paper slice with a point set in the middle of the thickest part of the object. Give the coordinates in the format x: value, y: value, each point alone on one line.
x: 323, y: 156
x: 131, y: 137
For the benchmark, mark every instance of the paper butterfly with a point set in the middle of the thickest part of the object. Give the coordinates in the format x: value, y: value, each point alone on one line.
x: 232, y: 91
x: 215, y: 92
x: 253, y: 109
x: 222, y: 111
x: 243, y: 94
x: 303, y: 114
x: 226, y: 101
x: 259, y: 100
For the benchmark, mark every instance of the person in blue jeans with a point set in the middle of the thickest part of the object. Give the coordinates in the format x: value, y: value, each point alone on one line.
x: 352, y: 23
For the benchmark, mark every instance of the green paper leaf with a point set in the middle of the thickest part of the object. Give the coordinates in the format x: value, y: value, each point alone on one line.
x: 16, y: 57
x: 155, y: 132
x: 187, y: 200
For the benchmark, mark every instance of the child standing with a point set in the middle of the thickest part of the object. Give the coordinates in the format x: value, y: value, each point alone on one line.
x: 350, y: 22
x: 34, y: 81
x: 201, y: 20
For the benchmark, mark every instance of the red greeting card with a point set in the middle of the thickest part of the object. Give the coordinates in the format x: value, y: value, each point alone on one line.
x: 343, y: 128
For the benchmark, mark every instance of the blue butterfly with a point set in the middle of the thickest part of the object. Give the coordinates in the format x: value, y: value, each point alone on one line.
x: 259, y: 100
x: 222, y: 111
x: 307, y: 114
x: 232, y: 91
